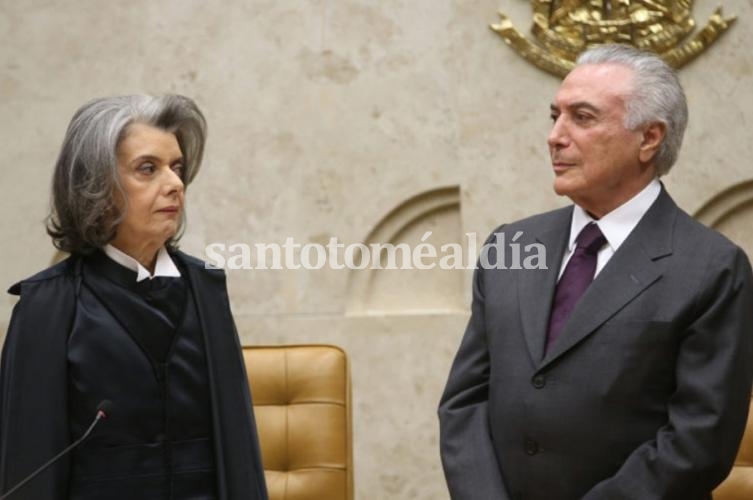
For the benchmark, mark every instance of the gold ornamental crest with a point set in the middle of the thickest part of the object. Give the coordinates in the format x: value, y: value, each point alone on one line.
x: 565, y: 28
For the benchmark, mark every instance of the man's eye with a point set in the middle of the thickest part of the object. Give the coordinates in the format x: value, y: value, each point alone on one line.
x: 554, y: 117
x: 582, y: 117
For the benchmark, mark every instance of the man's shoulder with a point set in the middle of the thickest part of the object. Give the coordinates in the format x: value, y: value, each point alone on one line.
x: 692, y: 234
x: 536, y: 223
x: 545, y: 219
x: 692, y: 243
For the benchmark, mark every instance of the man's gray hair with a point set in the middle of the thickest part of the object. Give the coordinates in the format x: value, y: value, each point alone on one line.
x: 84, y: 214
x: 656, y: 96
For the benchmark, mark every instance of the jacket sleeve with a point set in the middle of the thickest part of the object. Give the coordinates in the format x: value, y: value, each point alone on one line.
x: 33, y: 391
x: 468, y: 458
x: 695, y: 450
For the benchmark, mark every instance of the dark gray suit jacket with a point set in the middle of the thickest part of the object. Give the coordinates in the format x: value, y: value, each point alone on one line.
x: 643, y: 396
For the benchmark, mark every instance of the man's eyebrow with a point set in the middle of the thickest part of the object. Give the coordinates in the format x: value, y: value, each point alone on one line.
x: 574, y: 106
x: 583, y: 105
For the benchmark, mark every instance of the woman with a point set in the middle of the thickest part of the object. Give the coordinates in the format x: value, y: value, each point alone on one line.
x: 127, y: 318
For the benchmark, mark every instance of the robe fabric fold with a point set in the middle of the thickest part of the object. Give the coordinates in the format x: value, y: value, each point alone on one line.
x: 34, y: 384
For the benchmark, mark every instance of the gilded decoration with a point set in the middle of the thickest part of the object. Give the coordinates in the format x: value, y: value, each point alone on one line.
x: 565, y: 28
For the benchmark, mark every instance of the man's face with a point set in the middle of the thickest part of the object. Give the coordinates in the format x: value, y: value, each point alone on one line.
x: 596, y: 160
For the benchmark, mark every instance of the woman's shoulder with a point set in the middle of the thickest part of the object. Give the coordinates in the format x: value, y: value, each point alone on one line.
x: 196, y: 265
x: 195, y: 262
x: 62, y: 272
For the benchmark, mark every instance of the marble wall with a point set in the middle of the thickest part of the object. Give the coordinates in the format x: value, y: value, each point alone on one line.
x: 354, y: 119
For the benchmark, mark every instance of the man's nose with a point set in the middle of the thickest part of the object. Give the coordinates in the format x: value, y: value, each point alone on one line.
x: 558, y: 137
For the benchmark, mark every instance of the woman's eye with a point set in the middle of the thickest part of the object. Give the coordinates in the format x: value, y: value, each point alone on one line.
x: 146, y: 168
x: 179, y: 169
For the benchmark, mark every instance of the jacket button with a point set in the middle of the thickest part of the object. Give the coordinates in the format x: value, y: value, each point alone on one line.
x: 531, y: 447
x: 539, y: 381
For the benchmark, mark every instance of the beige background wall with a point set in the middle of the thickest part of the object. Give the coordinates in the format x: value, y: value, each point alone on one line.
x: 353, y: 119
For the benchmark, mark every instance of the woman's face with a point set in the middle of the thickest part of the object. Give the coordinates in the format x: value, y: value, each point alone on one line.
x: 150, y: 165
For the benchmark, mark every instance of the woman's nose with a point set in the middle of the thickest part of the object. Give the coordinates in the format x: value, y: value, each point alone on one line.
x: 173, y: 182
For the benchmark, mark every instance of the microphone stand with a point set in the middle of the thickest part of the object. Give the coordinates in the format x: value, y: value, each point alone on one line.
x: 100, y: 415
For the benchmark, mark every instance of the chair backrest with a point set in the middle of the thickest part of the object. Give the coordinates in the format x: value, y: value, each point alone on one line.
x: 739, y: 483
x: 301, y: 397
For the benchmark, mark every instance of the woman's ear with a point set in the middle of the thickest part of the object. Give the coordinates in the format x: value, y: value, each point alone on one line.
x: 653, y: 135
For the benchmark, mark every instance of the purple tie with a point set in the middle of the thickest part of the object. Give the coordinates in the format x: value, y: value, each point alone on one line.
x: 578, y: 274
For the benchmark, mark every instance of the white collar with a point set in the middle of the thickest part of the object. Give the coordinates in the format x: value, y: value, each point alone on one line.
x: 163, y: 267
x: 617, y: 225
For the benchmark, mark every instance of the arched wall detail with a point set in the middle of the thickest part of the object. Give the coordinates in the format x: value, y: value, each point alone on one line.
x: 731, y: 213
x: 373, y: 291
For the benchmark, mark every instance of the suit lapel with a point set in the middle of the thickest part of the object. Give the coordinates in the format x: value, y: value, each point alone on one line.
x: 536, y: 286
x: 632, y: 269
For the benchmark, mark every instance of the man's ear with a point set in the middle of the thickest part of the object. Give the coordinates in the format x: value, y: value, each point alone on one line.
x: 653, y: 135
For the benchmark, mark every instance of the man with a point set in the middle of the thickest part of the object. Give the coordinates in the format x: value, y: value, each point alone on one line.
x: 632, y: 382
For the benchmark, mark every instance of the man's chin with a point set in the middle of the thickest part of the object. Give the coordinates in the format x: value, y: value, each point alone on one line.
x: 561, y: 186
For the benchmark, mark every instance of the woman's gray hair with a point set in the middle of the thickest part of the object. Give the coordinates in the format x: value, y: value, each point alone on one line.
x: 84, y: 214
x: 656, y: 96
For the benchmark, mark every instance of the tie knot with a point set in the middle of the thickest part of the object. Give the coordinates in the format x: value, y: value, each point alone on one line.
x: 590, y: 238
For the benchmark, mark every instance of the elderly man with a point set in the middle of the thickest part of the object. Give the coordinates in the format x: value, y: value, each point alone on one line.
x: 623, y: 370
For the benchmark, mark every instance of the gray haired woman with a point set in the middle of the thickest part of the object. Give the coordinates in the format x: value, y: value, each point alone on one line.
x: 127, y: 318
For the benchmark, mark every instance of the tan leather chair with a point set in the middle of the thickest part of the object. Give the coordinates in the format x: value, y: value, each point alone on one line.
x: 301, y: 397
x: 739, y: 483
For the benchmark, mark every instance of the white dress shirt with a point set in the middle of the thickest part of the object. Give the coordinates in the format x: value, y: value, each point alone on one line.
x: 616, y: 226
x: 164, y: 266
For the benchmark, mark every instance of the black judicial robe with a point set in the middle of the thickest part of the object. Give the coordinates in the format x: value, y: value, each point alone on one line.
x: 34, y: 399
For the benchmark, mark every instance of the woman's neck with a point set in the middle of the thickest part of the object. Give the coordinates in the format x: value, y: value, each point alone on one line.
x: 146, y: 254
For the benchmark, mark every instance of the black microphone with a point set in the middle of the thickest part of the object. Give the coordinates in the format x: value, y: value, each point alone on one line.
x: 103, y: 411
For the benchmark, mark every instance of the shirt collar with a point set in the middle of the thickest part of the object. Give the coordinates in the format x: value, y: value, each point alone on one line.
x: 617, y: 225
x: 163, y: 267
